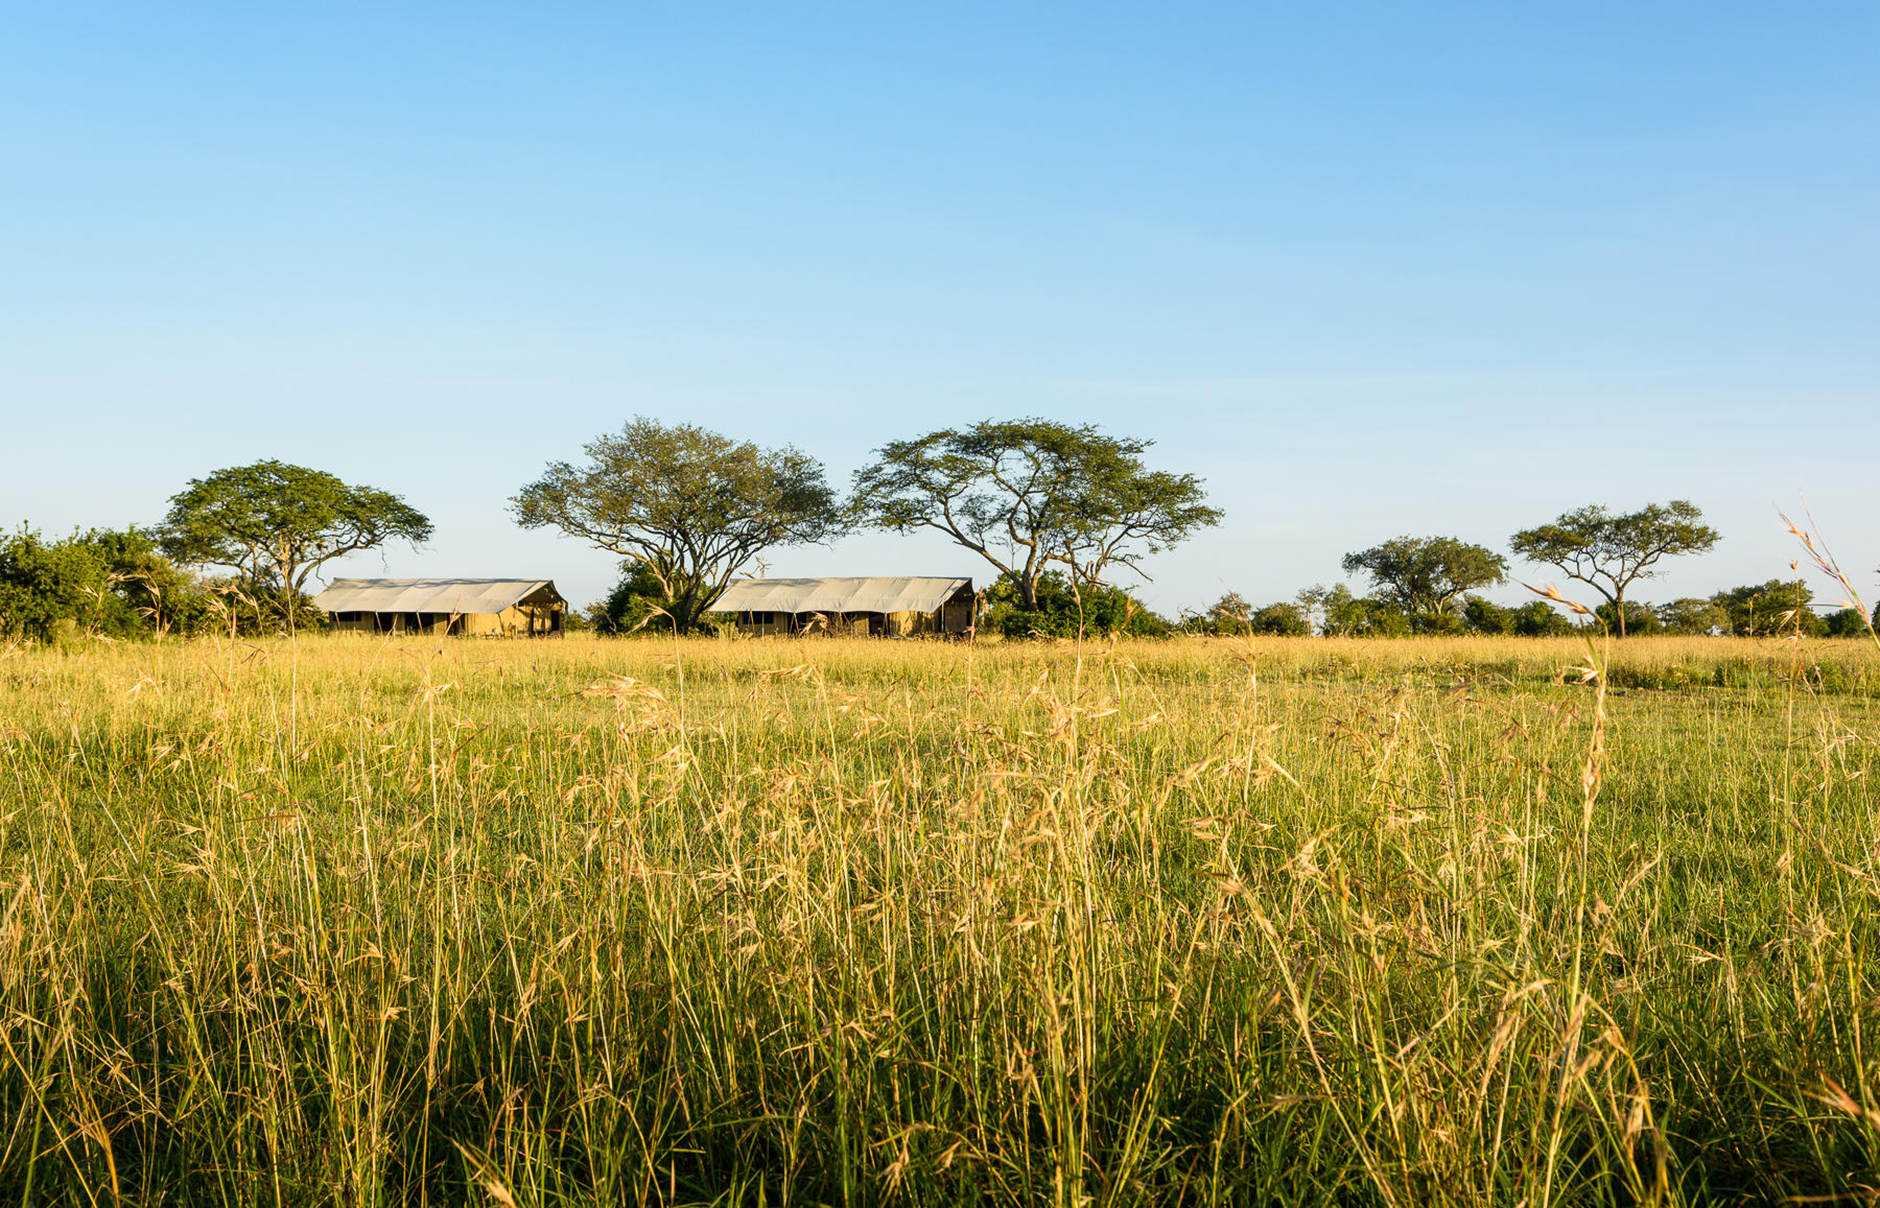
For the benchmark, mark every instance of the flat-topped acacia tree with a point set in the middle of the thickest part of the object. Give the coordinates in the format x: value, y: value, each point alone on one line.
x: 1610, y: 551
x: 1426, y: 577
x: 274, y: 524
x: 690, y: 506
x: 1024, y: 494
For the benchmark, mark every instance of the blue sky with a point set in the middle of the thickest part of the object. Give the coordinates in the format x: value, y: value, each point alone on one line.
x: 1368, y: 269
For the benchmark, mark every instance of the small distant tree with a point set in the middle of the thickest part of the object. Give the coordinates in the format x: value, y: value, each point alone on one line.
x: 1284, y: 619
x: 1426, y: 577
x: 1609, y: 552
x: 1535, y: 619
x: 1538, y: 619
x: 1339, y: 613
x: 1632, y: 618
x: 688, y: 506
x: 1312, y: 601
x: 274, y: 525
x: 1693, y: 617
x: 1482, y: 615
x: 1768, y: 609
x: 1231, y: 609
x: 1029, y: 494
x: 1229, y: 614
x: 1371, y: 617
x: 1845, y: 623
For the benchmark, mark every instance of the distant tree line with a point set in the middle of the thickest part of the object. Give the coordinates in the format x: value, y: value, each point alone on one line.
x: 1057, y: 511
x: 1758, y: 610
x: 1429, y: 585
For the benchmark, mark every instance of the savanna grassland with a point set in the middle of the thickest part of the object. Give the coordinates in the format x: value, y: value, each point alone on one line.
x: 1304, y: 921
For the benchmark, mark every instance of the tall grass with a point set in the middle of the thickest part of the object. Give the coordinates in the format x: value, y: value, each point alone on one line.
x: 356, y: 922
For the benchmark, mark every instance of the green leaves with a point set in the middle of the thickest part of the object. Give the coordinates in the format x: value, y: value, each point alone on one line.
x: 1766, y: 609
x: 99, y: 582
x: 1024, y: 494
x: 688, y: 505
x: 1427, y: 576
x: 274, y: 524
x: 1609, y: 552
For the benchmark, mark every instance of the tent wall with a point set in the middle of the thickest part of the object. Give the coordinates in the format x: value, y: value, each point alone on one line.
x: 953, y: 617
x: 522, y: 620
x: 956, y: 615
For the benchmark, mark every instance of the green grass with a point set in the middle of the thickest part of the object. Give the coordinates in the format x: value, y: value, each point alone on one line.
x: 591, y: 922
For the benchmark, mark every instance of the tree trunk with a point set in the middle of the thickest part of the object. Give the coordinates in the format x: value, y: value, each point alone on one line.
x: 685, y: 611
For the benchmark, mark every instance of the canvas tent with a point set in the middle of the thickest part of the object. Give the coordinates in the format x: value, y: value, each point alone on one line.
x: 492, y: 607
x: 901, y: 606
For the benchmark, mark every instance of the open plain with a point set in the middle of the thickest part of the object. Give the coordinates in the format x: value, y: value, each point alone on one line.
x: 343, y: 920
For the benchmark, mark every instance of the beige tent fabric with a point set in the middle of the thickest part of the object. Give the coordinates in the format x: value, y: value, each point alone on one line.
x: 453, y: 596
x: 883, y: 594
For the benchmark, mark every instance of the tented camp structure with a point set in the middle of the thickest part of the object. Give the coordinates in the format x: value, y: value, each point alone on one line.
x: 490, y: 607
x: 882, y: 606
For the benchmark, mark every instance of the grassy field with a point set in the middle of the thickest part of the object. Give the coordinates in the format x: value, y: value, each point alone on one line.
x: 583, y: 922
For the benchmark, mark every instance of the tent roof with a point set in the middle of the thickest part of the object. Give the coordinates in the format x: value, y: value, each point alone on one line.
x: 430, y: 595
x: 877, y: 594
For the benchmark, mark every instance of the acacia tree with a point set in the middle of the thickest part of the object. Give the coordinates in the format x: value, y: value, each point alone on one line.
x: 275, y: 524
x: 1610, y: 552
x: 1024, y: 494
x: 1427, y: 576
x: 689, y: 506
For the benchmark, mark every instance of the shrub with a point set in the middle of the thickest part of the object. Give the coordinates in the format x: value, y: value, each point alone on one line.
x: 1539, y: 619
x: 631, y: 605
x: 1231, y: 614
x: 1845, y: 623
x: 1061, y: 612
x: 103, y: 582
x: 1486, y: 616
x: 1283, y: 619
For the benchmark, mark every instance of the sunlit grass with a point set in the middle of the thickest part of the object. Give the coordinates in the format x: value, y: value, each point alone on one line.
x: 1306, y: 921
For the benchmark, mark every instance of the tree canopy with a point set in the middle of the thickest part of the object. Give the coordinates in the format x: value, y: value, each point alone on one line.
x: 688, y: 505
x: 1692, y: 616
x: 1609, y: 551
x: 1427, y: 577
x: 275, y: 524
x: 1765, y: 609
x: 1026, y: 494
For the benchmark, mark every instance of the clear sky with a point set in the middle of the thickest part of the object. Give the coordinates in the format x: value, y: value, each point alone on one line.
x: 1368, y: 269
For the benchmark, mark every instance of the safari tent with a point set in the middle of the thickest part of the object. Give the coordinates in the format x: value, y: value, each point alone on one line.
x: 904, y: 606
x: 486, y: 607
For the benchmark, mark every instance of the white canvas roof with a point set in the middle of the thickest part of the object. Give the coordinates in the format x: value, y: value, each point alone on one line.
x: 430, y: 595
x: 877, y: 594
